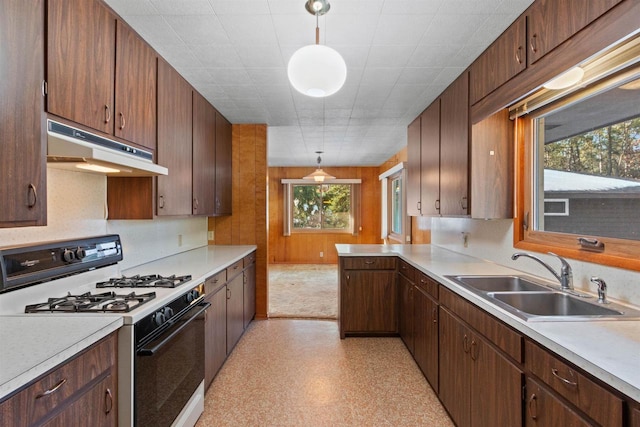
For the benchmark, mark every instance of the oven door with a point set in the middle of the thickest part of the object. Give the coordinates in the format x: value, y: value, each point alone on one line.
x: 168, y: 370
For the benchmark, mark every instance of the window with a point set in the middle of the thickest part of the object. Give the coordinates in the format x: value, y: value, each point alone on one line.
x: 321, y: 207
x: 394, y: 223
x: 327, y: 207
x: 582, y: 151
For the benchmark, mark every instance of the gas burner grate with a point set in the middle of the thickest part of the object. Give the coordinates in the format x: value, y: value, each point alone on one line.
x: 148, y: 281
x: 91, y: 303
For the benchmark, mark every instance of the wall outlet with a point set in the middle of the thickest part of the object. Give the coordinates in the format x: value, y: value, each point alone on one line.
x: 210, y: 235
x: 321, y: 254
x: 179, y: 240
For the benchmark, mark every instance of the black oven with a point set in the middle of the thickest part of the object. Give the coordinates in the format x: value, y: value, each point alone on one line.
x: 169, y: 360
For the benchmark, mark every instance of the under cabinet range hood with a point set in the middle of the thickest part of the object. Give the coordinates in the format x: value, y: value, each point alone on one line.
x: 82, y: 151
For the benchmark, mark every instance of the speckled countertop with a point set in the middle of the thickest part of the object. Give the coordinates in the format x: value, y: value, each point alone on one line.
x: 609, y: 350
x: 31, y: 345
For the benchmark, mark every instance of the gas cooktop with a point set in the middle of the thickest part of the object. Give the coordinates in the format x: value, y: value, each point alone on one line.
x: 91, y: 303
x: 147, y: 281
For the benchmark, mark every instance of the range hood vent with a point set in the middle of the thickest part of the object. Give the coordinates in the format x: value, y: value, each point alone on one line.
x: 75, y: 149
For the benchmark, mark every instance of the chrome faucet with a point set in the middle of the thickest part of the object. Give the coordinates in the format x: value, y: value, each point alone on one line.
x: 602, y: 289
x: 566, y: 275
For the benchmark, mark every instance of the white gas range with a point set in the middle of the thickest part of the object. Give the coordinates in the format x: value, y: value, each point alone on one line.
x: 160, y: 346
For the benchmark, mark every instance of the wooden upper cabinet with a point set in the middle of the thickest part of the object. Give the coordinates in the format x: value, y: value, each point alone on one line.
x: 135, y: 83
x: 454, y: 148
x: 551, y: 22
x: 22, y: 142
x: 492, y: 167
x: 81, y: 62
x: 430, y: 160
x: 223, y: 166
x: 204, y: 156
x: 174, y: 142
x: 413, y: 168
x: 505, y: 58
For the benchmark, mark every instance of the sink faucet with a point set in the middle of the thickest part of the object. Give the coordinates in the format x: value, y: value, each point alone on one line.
x: 566, y: 275
x: 602, y: 289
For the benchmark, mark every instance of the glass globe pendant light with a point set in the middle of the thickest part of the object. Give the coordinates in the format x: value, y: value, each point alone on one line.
x: 316, y: 70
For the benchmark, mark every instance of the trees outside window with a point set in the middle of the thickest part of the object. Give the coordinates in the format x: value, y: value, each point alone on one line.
x: 321, y: 207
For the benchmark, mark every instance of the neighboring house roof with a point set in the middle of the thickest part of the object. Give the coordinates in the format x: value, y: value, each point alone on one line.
x: 561, y: 181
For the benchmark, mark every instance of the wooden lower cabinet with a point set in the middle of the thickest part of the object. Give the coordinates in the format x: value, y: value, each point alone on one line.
x: 235, y: 311
x: 249, y: 292
x: 82, y: 391
x: 368, y: 302
x: 425, y: 335
x: 542, y: 408
x: 215, y: 339
x: 478, y: 385
x: 405, y: 311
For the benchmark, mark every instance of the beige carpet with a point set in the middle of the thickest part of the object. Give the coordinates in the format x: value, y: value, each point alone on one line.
x: 303, y: 291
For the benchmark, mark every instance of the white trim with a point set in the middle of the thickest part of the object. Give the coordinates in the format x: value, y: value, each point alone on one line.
x: 312, y: 182
x: 391, y: 171
x: 566, y: 207
x: 384, y: 213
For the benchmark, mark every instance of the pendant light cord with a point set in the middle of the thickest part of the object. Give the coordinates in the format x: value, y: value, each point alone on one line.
x: 317, y: 30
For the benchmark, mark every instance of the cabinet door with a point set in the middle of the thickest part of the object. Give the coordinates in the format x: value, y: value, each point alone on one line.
x: 413, y: 168
x: 405, y: 311
x: 543, y: 409
x: 369, y: 301
x: 249, y: 294
x: 204, y: 156
x: 224, y: 158
x: 23, y: 193
x: 215, y: 338
x: 454, y: 148
x: 504, y: 59
x: 425, y: 335
x: 136, y: 71
x: 492, y: 167
x: 81, y: 62
x: 430, y: 160
x: 496, y: 389
x: 551, y: 22
x: 174, y: 142
x: 235, y: 311
x: 454, y: 390
x: 95, y: 407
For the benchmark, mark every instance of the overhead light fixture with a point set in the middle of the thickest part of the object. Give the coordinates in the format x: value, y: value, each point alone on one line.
x: 565, y: 80
x: 317, y: 70
x: 96, y: 168
x: 319, y: 175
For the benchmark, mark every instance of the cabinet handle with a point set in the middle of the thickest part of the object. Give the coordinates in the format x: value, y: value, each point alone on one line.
x: 519, y: 54
x: 32, y: 196
x: 555, y: 373
x: 465, y: 343
x: 533, y: 43
x: 44, y: 88
x: 369, y: 262
x: 123, y: 122
x: 533, y: 407
x: 474, y: 350
x: 228, y: 293
x: 160, y: 202
x: 107, y: 114
x: 434, y: 315
x: 437, y: 204
x: 195, y: 203
x: 217, y: 202
x: 52, y: 390
x: 108, y: 401
x: 418, y: 206
x: 463, y: 203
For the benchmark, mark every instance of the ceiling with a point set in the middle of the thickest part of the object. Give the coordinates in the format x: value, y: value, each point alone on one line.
x: 400, y: 55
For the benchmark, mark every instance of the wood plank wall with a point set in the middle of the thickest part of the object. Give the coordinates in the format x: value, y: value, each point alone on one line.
x: 305, y: 248
x: 248, y: 224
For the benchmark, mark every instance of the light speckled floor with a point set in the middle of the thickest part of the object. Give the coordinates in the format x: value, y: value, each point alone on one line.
x: 303, y: 291
x: 287, y: 372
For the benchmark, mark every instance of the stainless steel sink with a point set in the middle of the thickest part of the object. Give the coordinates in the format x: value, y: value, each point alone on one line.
x: 500, y: 283
x: 536, y: 302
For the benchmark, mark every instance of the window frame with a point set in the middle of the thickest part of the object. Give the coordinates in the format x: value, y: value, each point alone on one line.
x: 386, y: 180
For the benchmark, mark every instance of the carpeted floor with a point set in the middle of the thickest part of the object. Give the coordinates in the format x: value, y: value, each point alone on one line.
x: 303, y: 291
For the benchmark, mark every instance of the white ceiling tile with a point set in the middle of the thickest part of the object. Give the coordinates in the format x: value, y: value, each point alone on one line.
x: 294, y: 30
x: 198, y: 30
x: 260, y: 56
x: 241, y: 91
x: 182, y: 7
x: 348, y: 29
x: 246, y: 29
x: 452, y: 29
x: 360, y: 7
x: 411, y: 7
x: 128, y: 7
x: 389, y: 56
x: 433, y: 56
x: 466, y: 7
x: 240, y: 7
x: 229, y: 76
x: 418, y: 75
x: 401, y: 29
x: 154, y: 29
x: 448, y: 75
x: 179, y: 56
x: 218, y: 56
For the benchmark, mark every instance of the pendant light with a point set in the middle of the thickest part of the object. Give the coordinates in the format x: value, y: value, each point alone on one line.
x: 316, y: 70
x: 319, y: 175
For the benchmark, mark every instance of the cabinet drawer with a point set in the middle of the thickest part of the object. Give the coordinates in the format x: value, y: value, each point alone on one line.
x: 249, y: 259
x: 55, y: 388
x: 407, y: 270
x: 427, y: 284
x: 234, y: 269
x: 369, y: 263
x: 597, y: 402
x: 214, y: 282
x: 542, y: 408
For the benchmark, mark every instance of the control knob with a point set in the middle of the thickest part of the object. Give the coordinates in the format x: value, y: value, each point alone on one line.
x: 81, y: 253
x: 68, y: 255
x: 159, y: 317
x: 168, y: 312
x: 192, y: 295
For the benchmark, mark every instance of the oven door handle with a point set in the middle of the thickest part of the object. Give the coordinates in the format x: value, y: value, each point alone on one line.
x: 146, y: 351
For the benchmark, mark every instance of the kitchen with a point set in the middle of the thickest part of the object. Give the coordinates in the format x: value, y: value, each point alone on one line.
x: 77, y: 208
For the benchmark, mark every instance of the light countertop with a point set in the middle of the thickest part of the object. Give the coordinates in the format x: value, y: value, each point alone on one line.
x: 608, y: 350
x: 32, y: 344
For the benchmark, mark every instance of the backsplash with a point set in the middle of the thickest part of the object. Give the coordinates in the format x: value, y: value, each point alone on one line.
x: 493, y: 241
x: 76, y: 207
